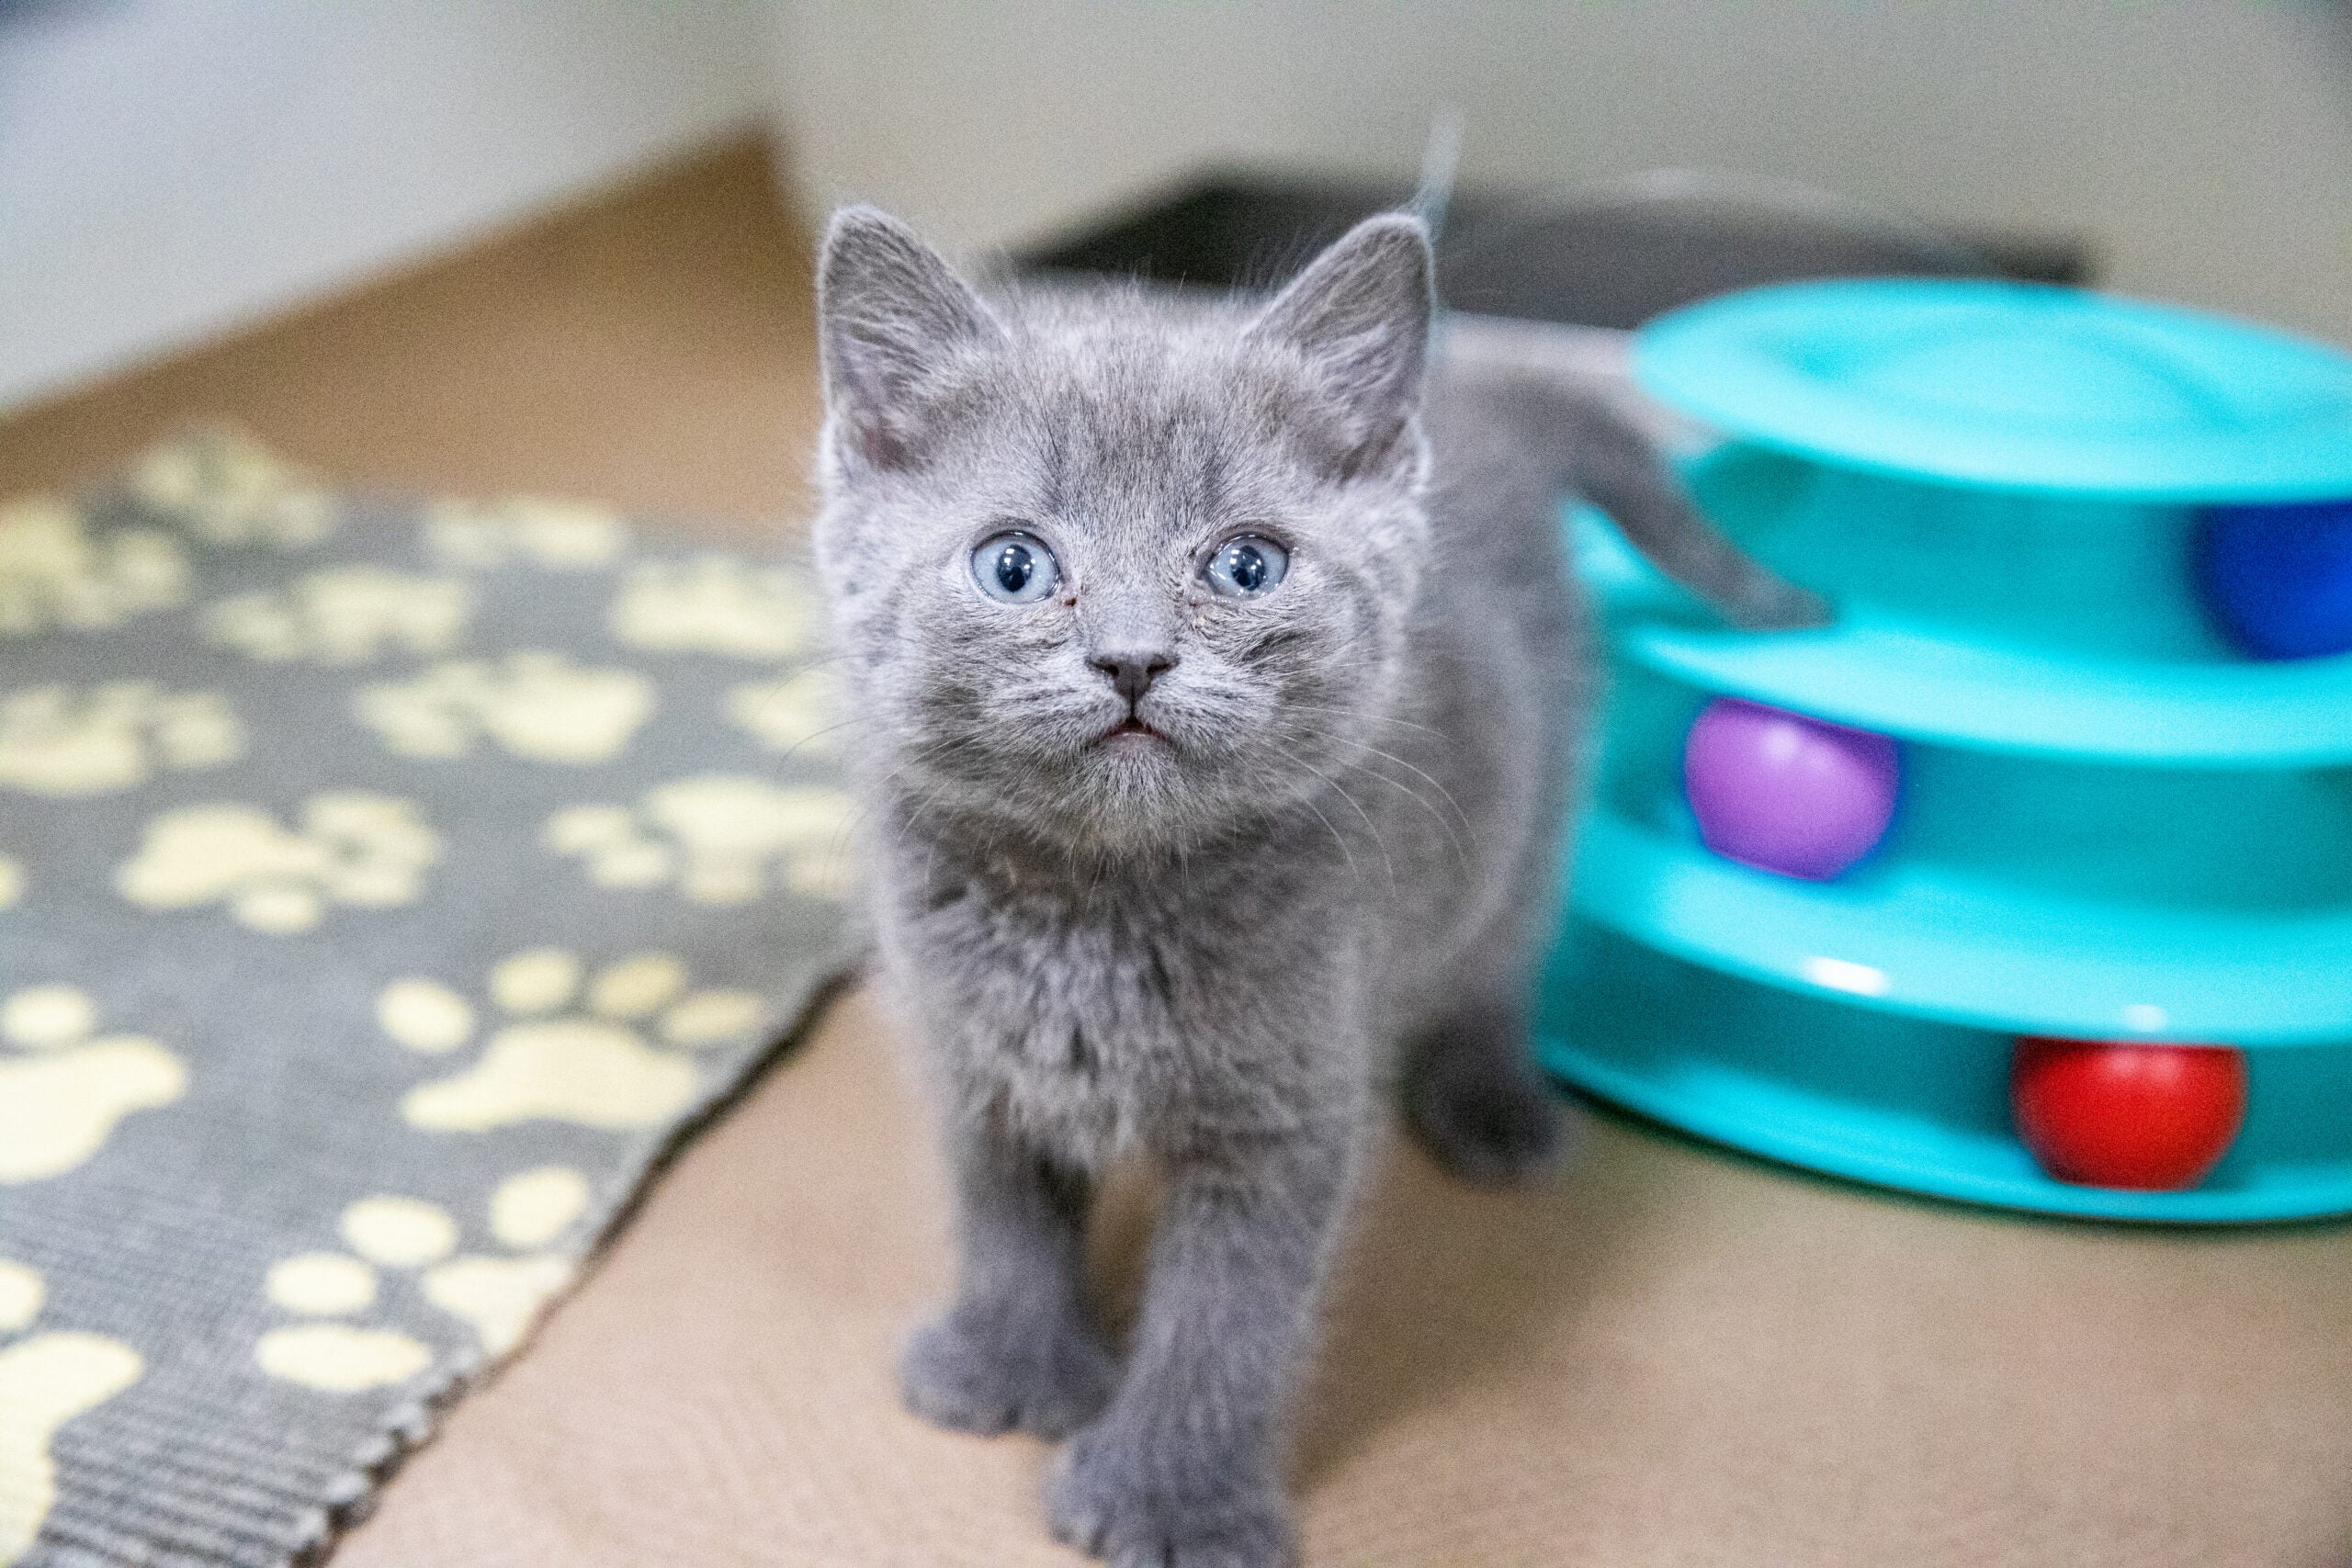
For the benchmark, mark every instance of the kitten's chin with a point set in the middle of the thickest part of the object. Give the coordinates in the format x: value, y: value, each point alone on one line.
x: 1132, y: 791
x: 1125, y: 791
x: 1131, y: 773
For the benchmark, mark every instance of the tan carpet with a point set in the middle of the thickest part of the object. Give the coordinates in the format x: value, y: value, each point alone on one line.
x: 1673, y: 1358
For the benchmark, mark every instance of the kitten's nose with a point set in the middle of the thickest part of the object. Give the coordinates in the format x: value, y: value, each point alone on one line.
x: 1132, y: 673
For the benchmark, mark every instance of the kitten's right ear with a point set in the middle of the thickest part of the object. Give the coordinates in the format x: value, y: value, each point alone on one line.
x: 890, y: 313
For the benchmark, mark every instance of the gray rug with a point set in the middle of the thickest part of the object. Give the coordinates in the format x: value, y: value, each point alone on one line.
x: 383, y: 888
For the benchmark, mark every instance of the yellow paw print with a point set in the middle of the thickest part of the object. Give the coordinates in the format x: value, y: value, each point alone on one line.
x: 715, y: 604
x: 63, y: 1092
x: 562, y: 1052
x: 799, y: 714
x: 539, y: 706
x: 562, y: 535
x: 364, y: 850
x: 46, y: 1380
x: 499, y: 1296
x: 226, y: 488
x: 718, y: 838
x: 344, y: 615
x: 56, y: 740
x: 55, y: 573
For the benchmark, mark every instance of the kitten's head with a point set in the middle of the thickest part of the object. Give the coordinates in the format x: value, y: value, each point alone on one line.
x: 1112, y: 572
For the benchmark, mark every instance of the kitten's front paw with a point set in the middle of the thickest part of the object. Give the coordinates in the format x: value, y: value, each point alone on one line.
x: 988, y: 1372
x: 1489, y: 1128
x: 1114, y: 1496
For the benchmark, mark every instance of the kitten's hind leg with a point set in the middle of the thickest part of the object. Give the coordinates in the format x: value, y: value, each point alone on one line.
x: 1474, y: 1099
x: 1017, y: 1348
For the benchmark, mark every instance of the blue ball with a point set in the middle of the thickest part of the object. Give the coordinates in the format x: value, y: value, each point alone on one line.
x: 2278, y: 578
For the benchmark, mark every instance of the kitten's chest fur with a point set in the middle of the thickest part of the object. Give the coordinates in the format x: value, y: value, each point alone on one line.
x: 1165, y: 1003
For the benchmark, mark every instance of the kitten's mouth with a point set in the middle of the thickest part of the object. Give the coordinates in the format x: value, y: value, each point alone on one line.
x: 1133, y: 728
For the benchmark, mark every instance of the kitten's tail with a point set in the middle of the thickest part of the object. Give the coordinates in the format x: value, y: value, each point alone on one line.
x: 1604, y: 457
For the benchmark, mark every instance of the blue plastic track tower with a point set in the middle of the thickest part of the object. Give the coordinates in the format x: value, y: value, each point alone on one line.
x: 2114, y: 823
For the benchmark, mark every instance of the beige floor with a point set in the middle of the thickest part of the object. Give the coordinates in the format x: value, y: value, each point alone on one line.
x: 1671, y: 1356
x: 653, y: 349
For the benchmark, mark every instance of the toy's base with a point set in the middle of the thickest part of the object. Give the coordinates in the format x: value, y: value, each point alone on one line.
x: 1897, y: 1101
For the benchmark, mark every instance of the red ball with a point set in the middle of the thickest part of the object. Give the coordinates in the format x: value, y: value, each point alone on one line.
x: 2124, y: 1113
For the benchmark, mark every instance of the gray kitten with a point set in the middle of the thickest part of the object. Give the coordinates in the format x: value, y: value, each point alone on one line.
x: 1215, y: 703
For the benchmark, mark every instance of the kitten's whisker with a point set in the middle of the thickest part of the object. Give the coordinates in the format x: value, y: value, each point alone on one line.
x: 1335, y: 836
x: 1366, y: 745
x: 1370, y: 826
x: 1386, y: 756
x: 894, y: 773
x: 815, y: 735
x: 1324, y: 711
x: 814, y: 661
x: 1460, y: 848
x: 907, y: 818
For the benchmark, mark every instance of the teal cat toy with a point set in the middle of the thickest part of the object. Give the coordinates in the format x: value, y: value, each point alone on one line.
x: 2079, y: 749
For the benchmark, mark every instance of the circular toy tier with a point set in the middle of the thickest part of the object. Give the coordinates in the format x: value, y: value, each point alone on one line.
x: 2113, y: 824
x: 2020, y: 388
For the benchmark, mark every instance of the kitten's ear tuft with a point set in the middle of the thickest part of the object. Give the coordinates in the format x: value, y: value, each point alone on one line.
x: 890, y: 314
x: 1360, y: 314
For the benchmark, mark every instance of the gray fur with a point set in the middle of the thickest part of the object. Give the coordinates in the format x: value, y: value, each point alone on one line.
x: 1327, y: 874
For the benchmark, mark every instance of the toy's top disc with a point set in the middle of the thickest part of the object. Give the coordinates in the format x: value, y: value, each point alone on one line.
x: 2014, y: 385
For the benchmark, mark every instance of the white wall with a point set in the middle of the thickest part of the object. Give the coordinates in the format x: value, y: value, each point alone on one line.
x: 2207, y: 144
x: 169, y: 168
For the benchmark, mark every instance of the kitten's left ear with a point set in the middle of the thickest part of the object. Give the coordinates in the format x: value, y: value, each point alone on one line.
x: 890, y: 314
x: 1360, y: 314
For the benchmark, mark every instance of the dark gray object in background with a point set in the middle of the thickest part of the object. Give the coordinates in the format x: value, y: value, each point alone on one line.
x: 1610, y: 256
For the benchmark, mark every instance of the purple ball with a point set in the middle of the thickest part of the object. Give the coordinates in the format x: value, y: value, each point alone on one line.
x: 1785, y: 793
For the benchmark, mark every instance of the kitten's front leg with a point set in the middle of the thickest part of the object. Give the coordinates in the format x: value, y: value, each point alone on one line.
x: 1017, y: 1347
x: 1184, y: 1469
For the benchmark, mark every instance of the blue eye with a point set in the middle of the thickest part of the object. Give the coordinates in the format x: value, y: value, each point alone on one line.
x: 1015, y: 567
x: 1247, y: 566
